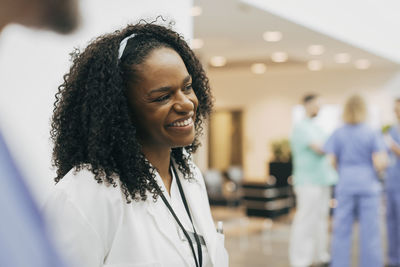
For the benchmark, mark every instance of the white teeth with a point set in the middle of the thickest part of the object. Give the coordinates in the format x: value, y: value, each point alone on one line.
x: 182, y: 123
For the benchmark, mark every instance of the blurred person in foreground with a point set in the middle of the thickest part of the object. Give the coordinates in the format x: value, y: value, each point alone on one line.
x: 313, y: 178
x: 56, y: 15
x: 358, y: 153
x: 126, y: 120
x: 392, y: 186
x: 23, y: 236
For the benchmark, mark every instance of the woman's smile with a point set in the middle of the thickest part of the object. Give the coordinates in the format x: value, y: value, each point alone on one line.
x: 185, y: 126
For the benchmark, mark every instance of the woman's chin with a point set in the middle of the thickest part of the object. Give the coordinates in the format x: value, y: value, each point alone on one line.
x: 183, y: 143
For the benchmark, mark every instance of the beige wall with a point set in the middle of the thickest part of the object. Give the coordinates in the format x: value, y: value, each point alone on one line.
x: 267, y: 101
x: 220, y: 140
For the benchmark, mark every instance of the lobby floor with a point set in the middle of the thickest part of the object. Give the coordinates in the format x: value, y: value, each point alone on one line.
x: 256, y: 242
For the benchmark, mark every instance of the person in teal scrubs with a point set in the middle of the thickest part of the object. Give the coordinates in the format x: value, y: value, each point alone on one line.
x: 313, y: 178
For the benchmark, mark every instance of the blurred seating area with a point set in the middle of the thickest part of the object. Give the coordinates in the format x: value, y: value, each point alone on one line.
x: 224, y: 187
x: 268, y: 199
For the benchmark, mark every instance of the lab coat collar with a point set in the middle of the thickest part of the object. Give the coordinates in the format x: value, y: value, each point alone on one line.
x: 159, y: 211
x: 205, y: 226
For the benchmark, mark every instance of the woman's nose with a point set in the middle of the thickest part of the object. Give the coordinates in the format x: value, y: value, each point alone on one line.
x: 183, y: 103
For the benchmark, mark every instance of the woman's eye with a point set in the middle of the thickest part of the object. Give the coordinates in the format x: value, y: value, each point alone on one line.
x: 188, y: 88
x: 162, y: 98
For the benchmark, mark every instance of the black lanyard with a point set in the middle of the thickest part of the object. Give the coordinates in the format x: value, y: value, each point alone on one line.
x: 198, y: 260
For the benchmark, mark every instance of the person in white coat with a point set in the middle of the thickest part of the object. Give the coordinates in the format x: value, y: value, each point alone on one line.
x: 125, y: 123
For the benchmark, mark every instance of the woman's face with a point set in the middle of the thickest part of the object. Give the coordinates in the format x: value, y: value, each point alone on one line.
x: 163, y: 102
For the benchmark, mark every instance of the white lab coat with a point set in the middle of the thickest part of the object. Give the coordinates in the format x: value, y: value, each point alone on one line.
x: 96, y: 227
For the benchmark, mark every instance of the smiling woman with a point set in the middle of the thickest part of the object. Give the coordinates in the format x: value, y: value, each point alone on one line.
x: 125, y: 123
x: 166, y: 105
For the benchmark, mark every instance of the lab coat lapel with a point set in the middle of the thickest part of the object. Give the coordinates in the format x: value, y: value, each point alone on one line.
x: 205, y: 226
x: 163, y: 218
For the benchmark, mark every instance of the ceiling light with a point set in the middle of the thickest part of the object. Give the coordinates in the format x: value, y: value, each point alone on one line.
x: 362, y: 64
x: 272, y: 36
x: 258, y: 68
x: 342, y: 58
x: 316, y: 50
x: 196, y: 11
x: 218, y: 61
x: 196, y: 43
x: 314, y: 65
x: 279, y: 57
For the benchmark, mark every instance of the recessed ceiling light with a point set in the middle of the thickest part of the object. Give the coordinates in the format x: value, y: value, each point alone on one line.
x: 196, y: 43
x: 258, y: 68
x: 279, y: 57
x: 314, y: 65
x: 272, y: 36
x: 362, y: 64
x: 342, y: 58
x: 316, y: 50
x: 218, y: 61
x: 196, y: 11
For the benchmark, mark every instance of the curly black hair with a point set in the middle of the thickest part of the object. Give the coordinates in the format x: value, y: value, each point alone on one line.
x: 91, y: 125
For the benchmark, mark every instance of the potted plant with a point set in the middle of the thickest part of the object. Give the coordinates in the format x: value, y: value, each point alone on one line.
x: 280, y: 166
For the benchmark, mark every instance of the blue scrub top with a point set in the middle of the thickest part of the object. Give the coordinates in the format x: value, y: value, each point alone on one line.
x: 24, y: 240
x: 353, y: 146
x: 392, y: 181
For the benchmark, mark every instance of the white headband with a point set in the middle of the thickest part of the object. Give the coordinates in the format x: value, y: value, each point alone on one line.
x: 122, y: 45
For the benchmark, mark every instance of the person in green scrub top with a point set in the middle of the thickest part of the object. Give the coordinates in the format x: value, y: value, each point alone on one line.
x: 313, y: 177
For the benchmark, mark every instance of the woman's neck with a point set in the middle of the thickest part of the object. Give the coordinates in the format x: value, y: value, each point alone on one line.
x: 160, y: 159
